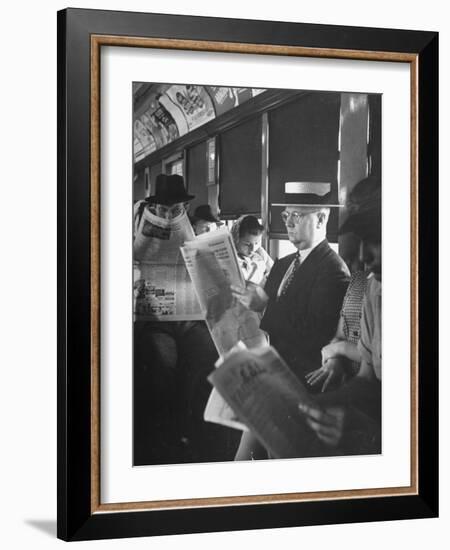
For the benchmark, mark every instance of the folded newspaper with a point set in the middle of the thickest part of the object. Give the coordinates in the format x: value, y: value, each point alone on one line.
x: 162, y: 286
x: 265, y: 394
x: 212, y: 263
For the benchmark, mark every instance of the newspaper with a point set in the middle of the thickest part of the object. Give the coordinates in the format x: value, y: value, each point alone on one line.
x: 162, y: 287
x: 212, y: 263
x: 158, y: 240
x: 217, y: 409
x: 264, y: 393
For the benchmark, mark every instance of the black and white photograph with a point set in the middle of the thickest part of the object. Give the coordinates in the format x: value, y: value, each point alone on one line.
x: 257, y: 273
x: 202, y: 343
x: 246, y: 274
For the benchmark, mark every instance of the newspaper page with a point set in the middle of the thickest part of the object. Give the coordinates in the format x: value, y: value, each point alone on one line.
x: 163, y: 290
x: 211, y: 260
x: 217, y: 409
x: 264, y: 393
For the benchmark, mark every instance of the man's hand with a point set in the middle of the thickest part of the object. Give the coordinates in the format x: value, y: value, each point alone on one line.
x: 252, y: 296
x: 328, y: 424
x: 331, y: 374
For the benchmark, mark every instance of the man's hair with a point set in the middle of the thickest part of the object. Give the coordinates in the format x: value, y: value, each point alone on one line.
x: 325, y: 213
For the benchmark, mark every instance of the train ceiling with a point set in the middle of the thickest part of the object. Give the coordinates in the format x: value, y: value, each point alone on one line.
x: 165, y: 112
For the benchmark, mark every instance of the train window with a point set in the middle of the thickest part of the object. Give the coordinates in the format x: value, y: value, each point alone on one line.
x: 147, y: 181
x: 155, y: 169
x: 196, y: 174
x: 278, y: 248
x: 240, y: 169
x: 228, y: 224
x: 175, y: 167
x: 140, y: 185
x: 211, y: 161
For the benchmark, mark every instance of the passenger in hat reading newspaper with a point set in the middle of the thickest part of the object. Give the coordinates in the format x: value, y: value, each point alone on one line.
x: 351, y: 416
x: 303, y: 294
x: 169, y: 201
x: 171, y: 358
x: 254, y: 261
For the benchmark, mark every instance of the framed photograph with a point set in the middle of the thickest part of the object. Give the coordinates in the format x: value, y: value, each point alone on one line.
x: 227, y: 190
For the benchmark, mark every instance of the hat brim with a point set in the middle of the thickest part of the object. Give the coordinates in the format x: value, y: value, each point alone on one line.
x: 311, y: 199
x: 166, y: 202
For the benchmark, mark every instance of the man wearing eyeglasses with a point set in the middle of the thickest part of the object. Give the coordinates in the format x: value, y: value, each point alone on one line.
x: 303, y: 294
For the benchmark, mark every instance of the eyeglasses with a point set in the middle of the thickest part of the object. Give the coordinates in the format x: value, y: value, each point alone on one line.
x: 296, y: 217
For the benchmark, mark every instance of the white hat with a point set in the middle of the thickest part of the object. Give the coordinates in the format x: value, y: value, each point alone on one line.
x: 308, y: 193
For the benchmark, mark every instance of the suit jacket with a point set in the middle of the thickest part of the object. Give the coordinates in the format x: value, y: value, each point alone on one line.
x: 305, y: 318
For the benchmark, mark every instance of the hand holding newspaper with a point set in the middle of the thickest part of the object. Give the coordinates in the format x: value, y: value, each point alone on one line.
x: 265, y: 394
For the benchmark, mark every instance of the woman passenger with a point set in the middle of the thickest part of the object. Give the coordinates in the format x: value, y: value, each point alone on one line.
x: 254, y: 261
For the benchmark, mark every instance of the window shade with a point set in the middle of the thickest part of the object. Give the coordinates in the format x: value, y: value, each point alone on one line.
x: 240, y: 169
x: 197, y: 174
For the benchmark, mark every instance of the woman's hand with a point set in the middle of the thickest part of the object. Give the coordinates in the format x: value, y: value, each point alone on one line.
x: 331, y: 350
x: 331, y: 374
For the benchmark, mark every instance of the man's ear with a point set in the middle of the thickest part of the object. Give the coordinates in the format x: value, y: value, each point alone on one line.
x: 322, y: 218
x: 187, y: 206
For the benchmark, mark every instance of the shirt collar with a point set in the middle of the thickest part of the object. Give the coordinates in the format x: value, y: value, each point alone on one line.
x: 307, y: 251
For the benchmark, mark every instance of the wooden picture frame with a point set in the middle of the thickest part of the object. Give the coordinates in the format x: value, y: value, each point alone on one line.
x: 81, y: 35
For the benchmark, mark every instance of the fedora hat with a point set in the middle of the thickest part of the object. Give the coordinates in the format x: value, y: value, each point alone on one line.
x: 204, y: 212
x: 365, y: 221
x: 364, y: 210
x: 169, y: 189
x: 308, y: 193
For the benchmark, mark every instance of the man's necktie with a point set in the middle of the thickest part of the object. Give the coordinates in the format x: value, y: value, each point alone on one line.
x: 286, y: 283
